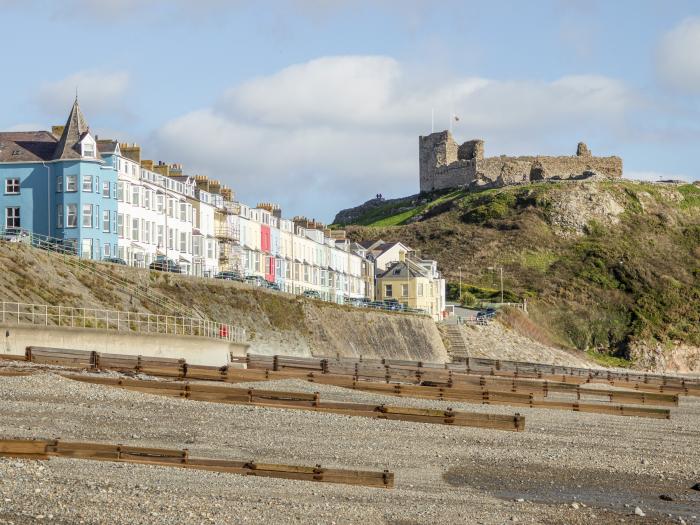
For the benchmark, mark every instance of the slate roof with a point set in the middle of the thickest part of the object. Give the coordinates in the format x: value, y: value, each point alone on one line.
x: 399, y: 269
x: 369, y: 244
x: 26, y: 146
x: 74, y: 131
x: 107, y: 146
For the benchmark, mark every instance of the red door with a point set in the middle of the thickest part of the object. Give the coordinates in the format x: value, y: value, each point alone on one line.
x: 270, y: 269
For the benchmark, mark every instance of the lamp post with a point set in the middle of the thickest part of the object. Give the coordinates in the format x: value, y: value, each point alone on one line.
x: 460, y: 284
x: 501, y: 270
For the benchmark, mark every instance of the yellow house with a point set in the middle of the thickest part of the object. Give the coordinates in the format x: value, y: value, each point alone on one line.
x: 411, y: 285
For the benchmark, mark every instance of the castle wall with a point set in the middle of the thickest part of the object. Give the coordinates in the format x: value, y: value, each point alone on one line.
x: 435, y: 151
x: 459, y: 173
x: 503, y: 171
x: 445, y: 164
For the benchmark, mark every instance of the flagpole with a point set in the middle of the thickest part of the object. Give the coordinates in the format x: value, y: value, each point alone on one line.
x: 432, y: 120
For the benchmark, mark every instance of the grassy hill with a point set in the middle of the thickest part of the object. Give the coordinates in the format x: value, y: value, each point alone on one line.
x: 605, y: 265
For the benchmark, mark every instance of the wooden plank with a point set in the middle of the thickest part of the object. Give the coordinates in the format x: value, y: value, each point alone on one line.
x: 36, y: 449
x: 303, y: 401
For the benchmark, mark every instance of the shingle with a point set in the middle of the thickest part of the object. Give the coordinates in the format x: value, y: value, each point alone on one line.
x: 75, y: 130
x: 26, y: 146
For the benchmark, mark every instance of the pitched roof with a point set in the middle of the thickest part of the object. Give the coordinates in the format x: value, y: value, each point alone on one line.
x: 107, y: 146
x: 74, y: 131
x: 399, y: 269
x: 26, y: 146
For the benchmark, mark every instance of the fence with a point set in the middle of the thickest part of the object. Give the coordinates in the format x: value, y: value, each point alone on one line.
x: 47, y: 315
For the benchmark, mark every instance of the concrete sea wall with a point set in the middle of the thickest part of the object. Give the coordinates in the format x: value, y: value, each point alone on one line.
x: 195, y: 350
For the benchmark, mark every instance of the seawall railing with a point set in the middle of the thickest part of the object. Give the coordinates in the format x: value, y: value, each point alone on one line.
x: 122, y: 321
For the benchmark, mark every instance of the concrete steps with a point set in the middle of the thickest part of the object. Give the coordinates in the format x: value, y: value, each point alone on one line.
x: 458, y: 346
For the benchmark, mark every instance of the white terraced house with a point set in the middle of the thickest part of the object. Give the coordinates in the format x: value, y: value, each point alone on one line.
x: 195, y: 222
x: 154, y: 216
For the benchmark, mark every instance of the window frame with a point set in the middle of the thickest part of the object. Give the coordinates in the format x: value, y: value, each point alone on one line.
x: 87, y: 179
x: 15, y: 183
x: 14, y: 217
x: 86, y: 221
x: 74, y: 180
x: 69, y: 207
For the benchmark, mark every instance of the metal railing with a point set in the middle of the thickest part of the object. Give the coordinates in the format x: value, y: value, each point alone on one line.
x: 71, y: 257
x: 146, y: 294
x: 123, y: 321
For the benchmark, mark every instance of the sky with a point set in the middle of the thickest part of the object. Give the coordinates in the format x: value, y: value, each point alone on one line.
x: 318, y: 105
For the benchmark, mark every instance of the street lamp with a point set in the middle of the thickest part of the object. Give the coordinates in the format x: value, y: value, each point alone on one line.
x: 493, y: 268
x: 460, y: 284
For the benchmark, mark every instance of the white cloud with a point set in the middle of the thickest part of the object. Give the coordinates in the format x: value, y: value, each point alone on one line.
x: 98, y: 92
x: 678, y: 56
x: 334, y: 131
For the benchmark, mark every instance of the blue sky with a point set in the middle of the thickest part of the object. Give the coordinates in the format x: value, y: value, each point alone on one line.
x: 318, y: 105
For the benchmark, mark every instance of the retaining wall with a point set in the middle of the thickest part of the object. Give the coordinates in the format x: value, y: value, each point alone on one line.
x: 195, y: 350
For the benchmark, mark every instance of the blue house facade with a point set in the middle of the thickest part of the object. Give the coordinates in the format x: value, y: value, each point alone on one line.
x: 56, y: 184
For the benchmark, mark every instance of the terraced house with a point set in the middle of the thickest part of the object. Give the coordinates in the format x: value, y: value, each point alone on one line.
x: 107, y: 201
x: 55, y: 183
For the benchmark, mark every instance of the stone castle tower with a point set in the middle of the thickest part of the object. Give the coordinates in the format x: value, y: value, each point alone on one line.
x: 446, y: 164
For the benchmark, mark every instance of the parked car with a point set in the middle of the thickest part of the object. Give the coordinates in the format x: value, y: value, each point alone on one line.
x: 392, y: 304
x: 255, y: 280
x: 273, y: 286
x: 483, y: 315
x: 312, y: 294
x: 165, y: 265
x: 115, y: 260
x: 229, y: 276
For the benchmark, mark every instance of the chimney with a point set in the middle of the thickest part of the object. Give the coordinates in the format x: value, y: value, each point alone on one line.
x: 162, y: 169
x: 131, y: 151
x: 57, y: 131
x: 147, y: 164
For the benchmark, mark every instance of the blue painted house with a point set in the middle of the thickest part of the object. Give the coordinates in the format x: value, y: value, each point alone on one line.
x: 56, y: 184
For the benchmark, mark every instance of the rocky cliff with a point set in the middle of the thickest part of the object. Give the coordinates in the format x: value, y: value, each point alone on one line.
x: 609, y: 266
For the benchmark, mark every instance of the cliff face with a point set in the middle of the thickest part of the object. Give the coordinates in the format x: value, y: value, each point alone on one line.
x: 604, y: 265
x: 275, y: 323
x: 674, y: 358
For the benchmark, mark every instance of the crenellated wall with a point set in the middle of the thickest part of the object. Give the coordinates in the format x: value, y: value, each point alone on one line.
x: 446, y: 164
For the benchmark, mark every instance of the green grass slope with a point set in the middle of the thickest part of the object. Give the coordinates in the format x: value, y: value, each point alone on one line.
x: 603, y: 264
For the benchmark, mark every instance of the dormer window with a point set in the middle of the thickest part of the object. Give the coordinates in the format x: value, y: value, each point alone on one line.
x: 88, y: 146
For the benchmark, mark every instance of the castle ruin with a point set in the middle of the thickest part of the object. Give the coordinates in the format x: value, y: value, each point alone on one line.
x: 446, y: 164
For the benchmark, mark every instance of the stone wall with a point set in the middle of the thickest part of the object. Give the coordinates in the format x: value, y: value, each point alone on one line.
x: 445, y: 164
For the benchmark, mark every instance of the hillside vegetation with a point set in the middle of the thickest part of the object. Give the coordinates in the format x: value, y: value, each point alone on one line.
x: 607, y: 265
